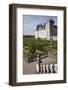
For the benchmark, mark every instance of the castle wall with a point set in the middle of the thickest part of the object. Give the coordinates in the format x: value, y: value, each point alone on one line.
x: 54, y: 37
x: 36, y: 34
x: 47, y: 30
x: 42, y: 34
x: 50, y: 31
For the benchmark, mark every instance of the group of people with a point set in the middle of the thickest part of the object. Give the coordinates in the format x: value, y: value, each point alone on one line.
x: 45, y: 68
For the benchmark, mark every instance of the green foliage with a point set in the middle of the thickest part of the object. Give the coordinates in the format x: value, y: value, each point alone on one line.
x: 32, y: 47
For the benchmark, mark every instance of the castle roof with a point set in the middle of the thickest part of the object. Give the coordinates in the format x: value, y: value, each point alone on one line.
x: 42, y: 26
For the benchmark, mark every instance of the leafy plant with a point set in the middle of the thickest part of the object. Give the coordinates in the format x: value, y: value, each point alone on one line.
x: 32, y: 47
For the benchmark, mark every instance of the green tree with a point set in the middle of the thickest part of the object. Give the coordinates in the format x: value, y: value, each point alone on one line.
x: 32, y: 47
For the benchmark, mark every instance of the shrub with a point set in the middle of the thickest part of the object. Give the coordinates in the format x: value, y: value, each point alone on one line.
x: 32, y: 47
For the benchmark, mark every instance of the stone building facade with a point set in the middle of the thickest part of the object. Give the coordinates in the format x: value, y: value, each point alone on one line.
x: 46, y: 31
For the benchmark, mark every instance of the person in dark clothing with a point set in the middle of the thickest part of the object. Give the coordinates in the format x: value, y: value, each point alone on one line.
x: 53, y: 68
x: 49, y: 68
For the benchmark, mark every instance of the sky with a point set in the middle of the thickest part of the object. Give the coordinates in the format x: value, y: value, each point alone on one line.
x: 31, y: 22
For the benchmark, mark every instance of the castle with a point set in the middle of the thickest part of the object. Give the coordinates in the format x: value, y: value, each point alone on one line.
x: 46, y: 31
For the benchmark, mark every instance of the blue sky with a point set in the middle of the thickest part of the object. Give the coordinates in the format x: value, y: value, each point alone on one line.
x: 31, y: 21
